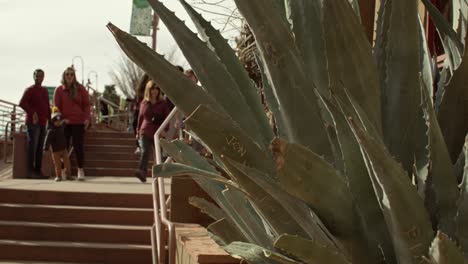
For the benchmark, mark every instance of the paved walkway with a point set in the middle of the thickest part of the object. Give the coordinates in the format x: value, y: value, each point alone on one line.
x: 92, y: 184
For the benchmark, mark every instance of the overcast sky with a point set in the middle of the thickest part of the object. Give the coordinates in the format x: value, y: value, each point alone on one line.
x: 47, y: 34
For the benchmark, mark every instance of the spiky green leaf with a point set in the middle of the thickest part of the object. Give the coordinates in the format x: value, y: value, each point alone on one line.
x: 398, y: 51
x: 167, y: 170
x: 304, y: 174
x: 404, y: 211
x: 309, y: 251
x: 226, y: 231
x: 207, y: 208
x: 250, y: 220
x: 445, y: 251
x: 293, y: 88
x: 453, y: 110
x: 256, y: 255
x: 371, y: 219
x: 271, y: 100
x: 229, y: 59
x: 213, y: 75
x: 287, y: 214
x: 452, y: 45
x: 442, y: 190
x: 422, y: 152
x: 276, y: 215
x: 425, y: 60
x: 182, y: 153
x: 174, y: 83
x: 462, y: 214
x: 248, y: 223
x: 305, y: 19
x: 226, y: 138
x: 350, y: 60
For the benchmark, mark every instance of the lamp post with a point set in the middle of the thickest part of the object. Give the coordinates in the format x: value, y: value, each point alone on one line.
x: 82, y: 67
x: 96, y: 76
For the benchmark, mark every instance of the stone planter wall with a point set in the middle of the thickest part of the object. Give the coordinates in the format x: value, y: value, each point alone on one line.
x: 194, y: 245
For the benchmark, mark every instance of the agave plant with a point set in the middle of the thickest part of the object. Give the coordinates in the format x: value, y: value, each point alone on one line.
x: 357, y: 170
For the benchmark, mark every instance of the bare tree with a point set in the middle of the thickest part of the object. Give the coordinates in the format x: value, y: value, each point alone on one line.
x: 126, y: 75
x: 223, y: 14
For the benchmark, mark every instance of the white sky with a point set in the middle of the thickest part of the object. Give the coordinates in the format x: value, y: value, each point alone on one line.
x: 47, y: 34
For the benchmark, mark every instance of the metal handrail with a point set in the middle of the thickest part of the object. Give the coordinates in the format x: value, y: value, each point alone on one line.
x: 159, y: 192
x: 117, y: 115
x: 6, y: 108
x: 12, y: 114
x: 107, y: 101
x: 6, y: 102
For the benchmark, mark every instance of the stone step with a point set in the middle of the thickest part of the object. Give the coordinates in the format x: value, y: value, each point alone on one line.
x: 114, y: 172
x: 121, y: 164
x: 115, y: 156
x: 73, y: 214
x: 111, y: 234
x: 32, y: 262
x: 108, y: 134
x: 74, y: 252
x: 76, y: 198
x: 111, y: 141
x: 110, y: 148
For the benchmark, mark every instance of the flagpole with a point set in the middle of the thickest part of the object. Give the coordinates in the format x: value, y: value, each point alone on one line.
x: 155, y: 29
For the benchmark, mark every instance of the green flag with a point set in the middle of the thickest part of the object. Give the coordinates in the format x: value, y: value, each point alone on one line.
x: 50, y: 91
x: 142, y: 18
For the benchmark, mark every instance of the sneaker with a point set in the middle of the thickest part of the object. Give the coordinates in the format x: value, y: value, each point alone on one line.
x: 137, y: 151
x: 140, y: 175
x: 57, y: 179
x: 81, y: 175
x: 69, y: 178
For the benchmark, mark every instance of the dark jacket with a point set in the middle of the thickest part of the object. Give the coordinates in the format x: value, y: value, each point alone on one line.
x: 55, y: 137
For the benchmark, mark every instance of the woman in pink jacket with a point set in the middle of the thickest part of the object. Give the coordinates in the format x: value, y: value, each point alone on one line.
x: 72, y: 99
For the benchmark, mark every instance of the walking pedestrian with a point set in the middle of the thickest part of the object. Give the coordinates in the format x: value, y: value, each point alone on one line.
x: 73, y: 100
x: 139, y: 91
x: 35, y: 102
x: 55, y: 139
x: 153, y: 111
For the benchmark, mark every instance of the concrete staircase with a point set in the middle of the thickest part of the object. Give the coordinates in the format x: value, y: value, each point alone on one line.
x: 105, y: 219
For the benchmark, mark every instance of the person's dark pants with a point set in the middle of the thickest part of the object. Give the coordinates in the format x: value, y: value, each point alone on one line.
x: 147, y: 146
x: 135, y: 124
x: 35, y: 135
x: 75, y: 134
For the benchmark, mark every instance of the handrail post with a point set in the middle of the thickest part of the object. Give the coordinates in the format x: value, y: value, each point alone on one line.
x: 159, y: 194
x: 5, y: 145
x: 13, y: 119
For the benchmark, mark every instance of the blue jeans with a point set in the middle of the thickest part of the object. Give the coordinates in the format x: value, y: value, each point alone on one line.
x: 146, y: 148
x: 36, y: 135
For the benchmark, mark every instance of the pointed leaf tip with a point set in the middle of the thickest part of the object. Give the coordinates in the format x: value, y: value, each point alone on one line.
x: 112, y: 28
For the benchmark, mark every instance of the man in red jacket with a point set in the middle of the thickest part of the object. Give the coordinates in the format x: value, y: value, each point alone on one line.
x: 35, y: 102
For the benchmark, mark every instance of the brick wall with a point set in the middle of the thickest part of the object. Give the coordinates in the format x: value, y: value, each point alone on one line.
x: 194, y: 245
